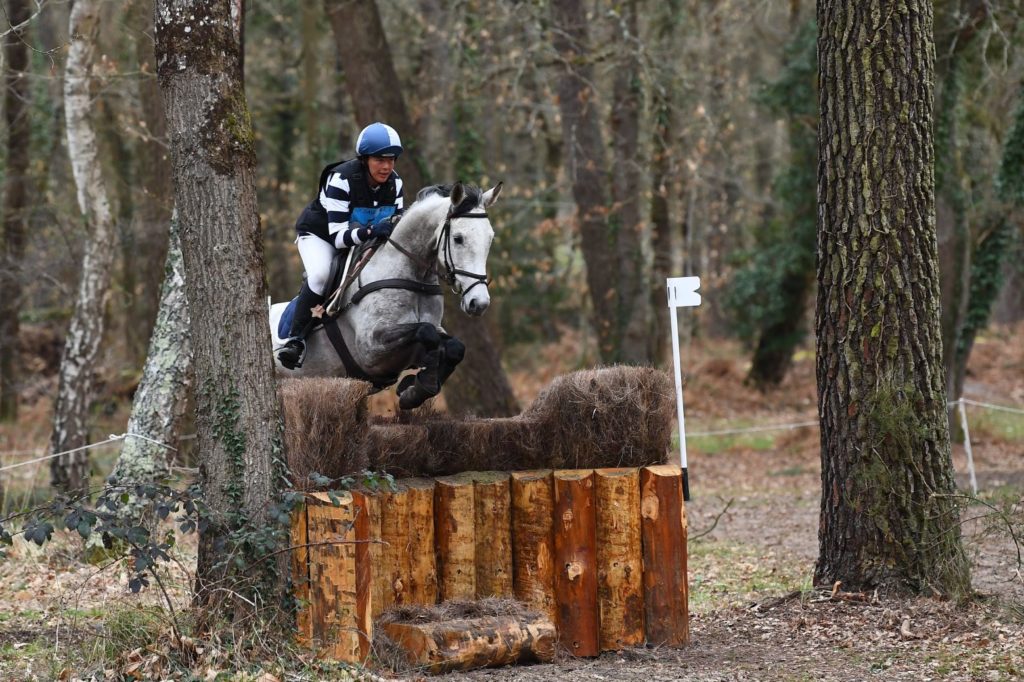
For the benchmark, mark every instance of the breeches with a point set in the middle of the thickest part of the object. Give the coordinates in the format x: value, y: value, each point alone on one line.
x: 316, y: 257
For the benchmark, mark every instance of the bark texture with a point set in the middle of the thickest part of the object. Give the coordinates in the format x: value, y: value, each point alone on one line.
x: 238, y: 413
x: 12, y: 237
x: 85, y: 332
x: 371, y: 81
x: 610, y: 294
x: 160, y: 400
x: 886, y: 516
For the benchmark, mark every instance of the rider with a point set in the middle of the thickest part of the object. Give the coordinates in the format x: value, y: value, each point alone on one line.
x: 358, y: 200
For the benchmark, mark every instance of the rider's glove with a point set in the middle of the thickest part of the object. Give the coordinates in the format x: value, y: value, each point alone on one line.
x: 381, y: 229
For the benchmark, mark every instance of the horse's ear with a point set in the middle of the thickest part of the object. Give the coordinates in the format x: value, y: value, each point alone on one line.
x: 458, y: 194
x: 491, y: 195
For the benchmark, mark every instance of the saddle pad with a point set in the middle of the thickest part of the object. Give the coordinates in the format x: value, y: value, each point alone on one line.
x: 284, y: 325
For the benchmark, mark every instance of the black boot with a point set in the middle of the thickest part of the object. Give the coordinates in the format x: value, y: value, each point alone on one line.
x: 291, y: 354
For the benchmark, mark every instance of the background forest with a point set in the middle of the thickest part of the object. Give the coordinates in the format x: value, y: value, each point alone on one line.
x: 703, y: 153
x: 636, y: 140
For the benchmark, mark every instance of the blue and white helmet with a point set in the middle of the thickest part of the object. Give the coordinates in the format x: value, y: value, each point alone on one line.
x: 378, y: 139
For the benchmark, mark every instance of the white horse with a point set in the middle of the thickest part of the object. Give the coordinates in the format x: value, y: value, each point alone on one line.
x: 390, y: 317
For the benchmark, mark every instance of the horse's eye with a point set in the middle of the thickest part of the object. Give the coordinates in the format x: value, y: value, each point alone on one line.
x: 459, y: 239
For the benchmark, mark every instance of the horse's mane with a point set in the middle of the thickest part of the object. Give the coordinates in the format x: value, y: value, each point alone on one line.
x: 473, y: 196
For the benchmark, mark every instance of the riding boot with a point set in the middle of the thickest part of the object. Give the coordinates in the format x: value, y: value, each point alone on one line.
x: 292, y: 353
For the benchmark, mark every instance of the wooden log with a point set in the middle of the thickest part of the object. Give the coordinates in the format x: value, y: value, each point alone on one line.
x: 371, y: 555
x: 332, y: 573
x: 620, y: 593
x: 368, y: 552
x: 389, y: 573
x: 533, y: 550
x: 469, y: 643
x: 575, y: 532
x: 663, y: 527
x: 455, y: 536
x: 300, y: 576
x: 493, y: 521
x: 421, y: 557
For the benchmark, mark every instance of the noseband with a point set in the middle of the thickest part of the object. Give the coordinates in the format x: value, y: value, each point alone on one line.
x: 445, y: 245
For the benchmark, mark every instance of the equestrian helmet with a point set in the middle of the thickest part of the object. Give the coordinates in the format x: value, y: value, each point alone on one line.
x: 378, y: 139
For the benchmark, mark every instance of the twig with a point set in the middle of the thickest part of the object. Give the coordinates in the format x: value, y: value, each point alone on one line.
x: 714, y: 523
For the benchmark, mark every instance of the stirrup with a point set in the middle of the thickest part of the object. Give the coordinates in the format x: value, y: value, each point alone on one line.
x: 284, y: 354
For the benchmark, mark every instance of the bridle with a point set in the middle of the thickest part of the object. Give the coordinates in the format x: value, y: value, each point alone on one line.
x: 449, y: 264
x: 444, y: 247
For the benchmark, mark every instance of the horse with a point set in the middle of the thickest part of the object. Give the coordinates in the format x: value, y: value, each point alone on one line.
x: 390, y: 317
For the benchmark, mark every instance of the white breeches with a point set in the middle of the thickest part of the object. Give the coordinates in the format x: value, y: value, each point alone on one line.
x: 316, y: 257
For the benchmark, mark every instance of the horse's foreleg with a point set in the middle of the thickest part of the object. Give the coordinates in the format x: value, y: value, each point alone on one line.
x: 439, y: 363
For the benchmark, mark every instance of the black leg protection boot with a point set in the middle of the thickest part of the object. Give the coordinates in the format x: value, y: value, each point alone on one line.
x: 291, y: 354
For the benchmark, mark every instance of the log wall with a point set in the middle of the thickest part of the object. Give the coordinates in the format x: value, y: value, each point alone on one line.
x: 600, y: 553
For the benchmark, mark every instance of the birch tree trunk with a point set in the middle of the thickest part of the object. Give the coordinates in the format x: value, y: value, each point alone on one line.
x: 76, y: 384
x: 238, y: 416
x: 160, y: 400
x: 888, y: 519
x: 12, y: 237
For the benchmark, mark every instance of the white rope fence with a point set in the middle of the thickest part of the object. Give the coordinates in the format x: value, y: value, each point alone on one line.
x: 112, y: 438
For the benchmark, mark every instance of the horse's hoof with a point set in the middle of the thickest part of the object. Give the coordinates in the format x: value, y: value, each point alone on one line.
x: 413, y: 397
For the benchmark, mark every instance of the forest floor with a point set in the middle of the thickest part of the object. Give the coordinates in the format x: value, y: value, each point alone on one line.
x: 755, y: 614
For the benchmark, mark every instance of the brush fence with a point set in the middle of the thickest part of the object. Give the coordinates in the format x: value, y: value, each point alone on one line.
x: 601, y: 552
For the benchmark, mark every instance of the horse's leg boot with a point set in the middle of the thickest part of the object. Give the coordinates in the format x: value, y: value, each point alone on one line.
x: 424, y: 385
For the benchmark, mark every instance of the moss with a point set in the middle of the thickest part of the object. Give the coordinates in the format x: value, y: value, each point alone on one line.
x: 228, y: 138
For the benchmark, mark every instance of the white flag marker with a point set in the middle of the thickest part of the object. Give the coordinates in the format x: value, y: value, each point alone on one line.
x: 682, y: 293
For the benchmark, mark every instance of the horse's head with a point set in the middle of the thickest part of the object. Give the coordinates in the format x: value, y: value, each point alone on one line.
x: 463, y: 243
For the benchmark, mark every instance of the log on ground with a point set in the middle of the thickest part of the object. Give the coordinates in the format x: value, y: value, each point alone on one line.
x: 469, y: 643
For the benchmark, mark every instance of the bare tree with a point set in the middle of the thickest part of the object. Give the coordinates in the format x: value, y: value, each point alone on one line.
x: 85, y: 332
x: 238, y: 415
x: 12, y: 246
x: 888, y: 518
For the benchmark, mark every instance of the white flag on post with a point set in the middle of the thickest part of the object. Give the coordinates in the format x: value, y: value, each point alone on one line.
x: 682, y: 293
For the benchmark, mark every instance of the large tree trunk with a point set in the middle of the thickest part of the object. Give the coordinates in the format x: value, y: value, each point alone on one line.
x: 160, y: 400
x: 480, y: 385
x: 238, y: 415
x: 585, y: 158
x: 75, y: 391
x: 633, y: 303
x: 371, y: 81
x: 887, y: 516
x: 12, y: 246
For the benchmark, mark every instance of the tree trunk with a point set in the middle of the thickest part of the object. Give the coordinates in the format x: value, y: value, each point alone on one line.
x: 12, y: 246
x: 238, y: 414
x: 887, y: 516
x: 85, y: 332
x: 633, y: 303
x: 480, y: 385
x: 371, y: 81
x: 160, y: 400
x: 153, y: 202
x: 585, y: 157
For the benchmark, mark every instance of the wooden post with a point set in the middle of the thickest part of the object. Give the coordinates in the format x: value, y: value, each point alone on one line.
x: 455, y: 535
x: 533, y: 550
x: 389, y: 575
x: 620, y: 593
x: 300, y: 576
x: 463, y: 644
x: 575, y: 532
x: 332, y: 573
x: 663, y: 526
x: 368, y: 552
x: 422, y: 560
x: 493, y: 521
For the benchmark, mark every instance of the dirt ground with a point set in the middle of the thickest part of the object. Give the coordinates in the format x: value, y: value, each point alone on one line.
x: 753, y: 527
